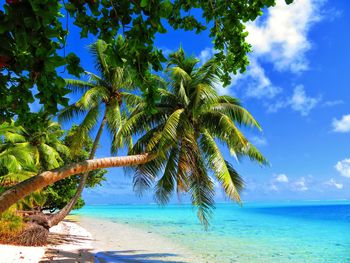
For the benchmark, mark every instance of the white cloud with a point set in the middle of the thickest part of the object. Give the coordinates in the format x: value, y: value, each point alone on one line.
x: 302, y: 103
x: 258, y: 141
x: 281, y: 178
x: 279, y: 37
x: 223, y: 90
x: 205, y: 55
x: 167, y: 51
x: 277, y: 181
x: 300, y: 185
x: 257, y: 84
x: 342, y: 125
x: 282, y: 37
x: 333, y: 183
x: 299, y: 102
x: 273, y: 187
x: 343, y: 167
x: 331, y: 103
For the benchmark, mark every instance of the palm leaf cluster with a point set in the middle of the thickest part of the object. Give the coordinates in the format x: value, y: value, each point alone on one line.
x: 16, y: 156
x: 105, y: 97
x: 186, y: 132
x: 48, y: 147
x: 24, y: 152
x: 191, y: 122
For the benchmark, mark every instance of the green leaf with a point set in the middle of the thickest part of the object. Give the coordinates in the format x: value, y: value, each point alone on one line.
x: 166, y: 8
x: 144, y: 3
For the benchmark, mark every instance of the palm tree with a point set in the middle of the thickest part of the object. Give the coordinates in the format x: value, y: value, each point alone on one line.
x: 107, y: 93
x: 181, y: 137
x: 186, y: 132
x: 23, y: 152
x: 45, y: 138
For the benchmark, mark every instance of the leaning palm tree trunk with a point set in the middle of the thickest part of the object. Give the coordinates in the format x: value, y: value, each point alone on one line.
x: 58, y: 217
x: 14, y: 194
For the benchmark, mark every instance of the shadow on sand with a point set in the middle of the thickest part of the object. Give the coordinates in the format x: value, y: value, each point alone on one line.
x: 135, y: 256
x: 87, y: 256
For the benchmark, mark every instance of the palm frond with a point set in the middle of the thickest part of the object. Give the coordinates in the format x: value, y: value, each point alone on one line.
x: 254, y: 154
x: 232, y: 108
x: 61, y: 148
x: 166, y: 184
x: 130, y: 99
x: 10, y: 162
x: 179, y: 59
x: 82, y: 132
x: 113, y: 116
x: 98, y: 49
x: 114, y: 123
x: 93, y: 97
x: 144, y: 141
x: 10, y: 132
x: 202, y: 191
x: 209, y: 73
x: 77, y: 85
x: 171, y: 128
x: 145, y: 174
x: 180, y: 74
x: 13, y: 178
x: 17, y: 156
x: 50, y: 156
x: 93, y: 78
x: 72, y: 111
x: 203, y: 94
x: 222, y: 127
x: 120, y: 78
x: 227, y: 176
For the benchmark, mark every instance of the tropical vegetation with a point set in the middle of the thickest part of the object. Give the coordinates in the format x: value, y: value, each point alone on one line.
x: 27, y: 149
x: 186, y: 132
x: 179, y: 125
x: 105, y: 94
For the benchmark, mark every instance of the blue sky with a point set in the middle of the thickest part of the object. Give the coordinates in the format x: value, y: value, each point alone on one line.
x: 297, y: 88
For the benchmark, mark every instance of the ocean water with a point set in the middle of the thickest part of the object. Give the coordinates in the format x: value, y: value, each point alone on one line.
x: 300, y: 232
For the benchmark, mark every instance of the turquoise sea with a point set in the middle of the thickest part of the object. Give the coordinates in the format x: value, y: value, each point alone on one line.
x: 257, y: 232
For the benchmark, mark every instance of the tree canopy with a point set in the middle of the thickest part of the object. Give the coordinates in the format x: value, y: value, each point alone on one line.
x: 33, y: 36
x: 25, y: 150
x: 185, y: 132
x: 180, y: 124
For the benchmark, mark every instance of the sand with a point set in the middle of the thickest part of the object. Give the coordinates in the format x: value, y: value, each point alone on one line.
x: 19, y: 254
x: 119, y: 242
x: 85, y: 239
x: 68, y: 242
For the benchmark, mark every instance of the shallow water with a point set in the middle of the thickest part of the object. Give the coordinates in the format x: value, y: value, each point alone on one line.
x: 280, y: 232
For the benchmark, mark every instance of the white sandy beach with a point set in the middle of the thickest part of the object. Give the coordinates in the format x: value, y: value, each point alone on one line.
x: 117, y: 242
x: 15, y: 254
x: 94, y: 240
x: 68, y: 242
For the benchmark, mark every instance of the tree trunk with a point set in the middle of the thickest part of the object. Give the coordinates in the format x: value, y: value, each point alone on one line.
x: 60, y: 215
x: 18, y: 191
